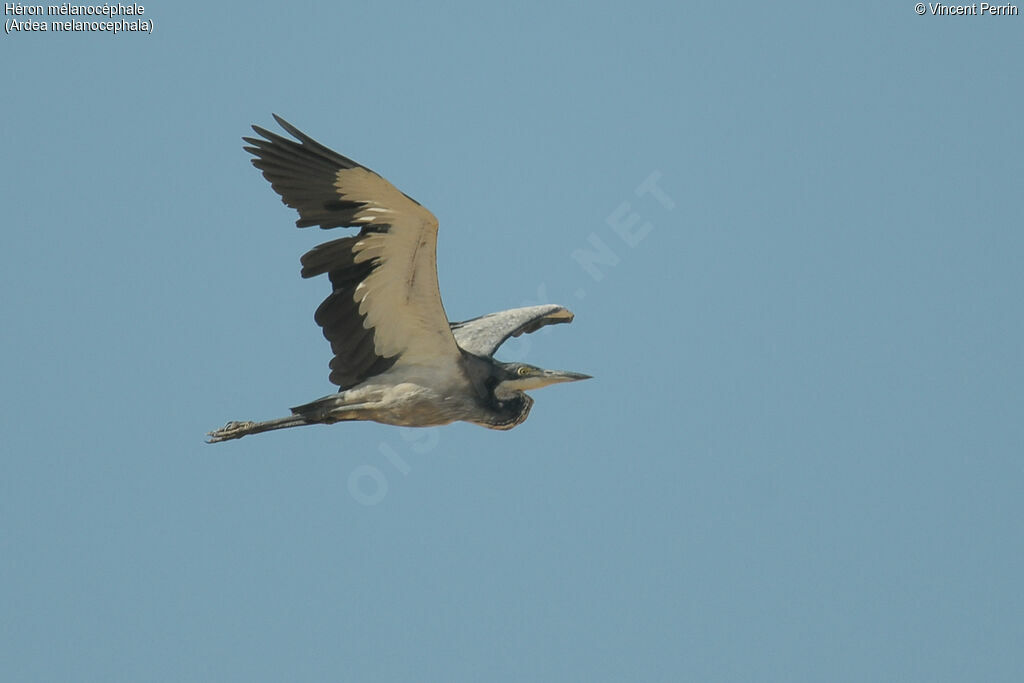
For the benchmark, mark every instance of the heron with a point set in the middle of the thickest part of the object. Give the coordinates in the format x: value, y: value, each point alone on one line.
x: 398, y: 360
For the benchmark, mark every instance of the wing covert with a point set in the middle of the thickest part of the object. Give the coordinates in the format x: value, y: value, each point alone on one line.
x: 385, y: 306
x: 482, y: 336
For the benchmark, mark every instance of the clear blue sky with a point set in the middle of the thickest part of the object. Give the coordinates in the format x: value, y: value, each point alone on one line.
x: 801, y: 455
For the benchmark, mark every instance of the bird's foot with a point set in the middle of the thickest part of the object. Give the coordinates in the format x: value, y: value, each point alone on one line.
x: 232, y: 430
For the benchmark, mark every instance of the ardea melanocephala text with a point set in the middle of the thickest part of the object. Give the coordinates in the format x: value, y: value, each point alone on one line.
x: 397, y: 359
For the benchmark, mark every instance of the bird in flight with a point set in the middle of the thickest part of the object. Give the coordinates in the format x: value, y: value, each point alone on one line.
x: 397, y: 358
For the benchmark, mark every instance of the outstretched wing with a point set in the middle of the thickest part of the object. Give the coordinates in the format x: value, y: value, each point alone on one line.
x: 385, y: 307
x: 482, y: 336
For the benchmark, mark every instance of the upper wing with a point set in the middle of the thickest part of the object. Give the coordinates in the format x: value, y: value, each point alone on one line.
x: 485, y: 334
x: 386, y: 307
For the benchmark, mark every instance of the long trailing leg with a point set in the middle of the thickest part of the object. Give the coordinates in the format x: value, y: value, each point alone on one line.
x: 236, y: 430
x: 309, y: 414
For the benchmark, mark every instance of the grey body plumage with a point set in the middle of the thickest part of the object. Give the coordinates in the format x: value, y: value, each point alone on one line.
x: 397, y: 358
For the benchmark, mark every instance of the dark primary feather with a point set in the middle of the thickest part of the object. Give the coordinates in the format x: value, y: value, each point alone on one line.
x: 304, y: 175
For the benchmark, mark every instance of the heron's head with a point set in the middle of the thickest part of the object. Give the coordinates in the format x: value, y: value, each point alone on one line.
x: 513, y: 377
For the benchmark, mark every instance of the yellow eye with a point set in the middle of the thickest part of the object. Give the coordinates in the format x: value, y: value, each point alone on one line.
x: 523, y: 371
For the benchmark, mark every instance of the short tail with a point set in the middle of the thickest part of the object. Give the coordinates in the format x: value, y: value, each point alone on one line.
x: 236, y: 430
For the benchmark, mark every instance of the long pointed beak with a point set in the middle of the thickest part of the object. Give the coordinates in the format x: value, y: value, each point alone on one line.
x: 541, y: 378
x: 555, y: 376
